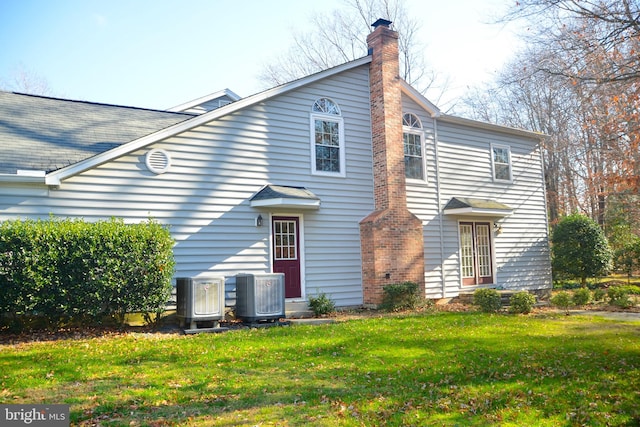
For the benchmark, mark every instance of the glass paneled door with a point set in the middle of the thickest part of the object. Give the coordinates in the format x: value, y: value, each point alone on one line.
x: 286, y: 253
x: 475, y: 253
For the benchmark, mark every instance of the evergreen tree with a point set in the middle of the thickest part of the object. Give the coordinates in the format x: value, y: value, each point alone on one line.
x: 580, y: 248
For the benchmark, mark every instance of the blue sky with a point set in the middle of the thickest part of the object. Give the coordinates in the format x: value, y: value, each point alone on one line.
x: 161, y: 53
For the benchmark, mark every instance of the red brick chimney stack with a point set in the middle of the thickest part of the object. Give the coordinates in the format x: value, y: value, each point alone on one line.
x: 386, y: 108
x: 391, y: 237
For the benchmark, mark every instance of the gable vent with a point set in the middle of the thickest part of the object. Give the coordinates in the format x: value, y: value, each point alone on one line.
x: 158, y: 161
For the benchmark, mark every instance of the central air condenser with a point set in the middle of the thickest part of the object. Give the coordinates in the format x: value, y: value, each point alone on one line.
x: 199, y: 299
x: 260, y: 297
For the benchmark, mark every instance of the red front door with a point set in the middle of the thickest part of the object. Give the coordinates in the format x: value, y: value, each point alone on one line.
x: 286, y: 253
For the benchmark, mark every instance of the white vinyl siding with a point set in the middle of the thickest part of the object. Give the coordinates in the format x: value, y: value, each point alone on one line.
x: 422, y: 201
x: 520, y: 256
x: 216, y: 168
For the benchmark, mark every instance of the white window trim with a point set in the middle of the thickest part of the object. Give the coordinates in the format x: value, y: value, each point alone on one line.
x: 341, y: 144
x: 420, y: 133
x: 493, y: 163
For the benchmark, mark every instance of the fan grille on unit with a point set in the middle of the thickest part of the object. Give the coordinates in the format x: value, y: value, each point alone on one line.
x: 158, y: 161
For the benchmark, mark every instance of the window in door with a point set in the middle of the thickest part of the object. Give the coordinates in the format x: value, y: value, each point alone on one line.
x: 285, y: 240
x: 476, y: 253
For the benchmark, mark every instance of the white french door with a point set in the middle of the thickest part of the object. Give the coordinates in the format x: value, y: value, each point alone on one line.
x: 476, y: 253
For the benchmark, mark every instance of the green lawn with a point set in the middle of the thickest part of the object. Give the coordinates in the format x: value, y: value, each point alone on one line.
x: 427, y: 369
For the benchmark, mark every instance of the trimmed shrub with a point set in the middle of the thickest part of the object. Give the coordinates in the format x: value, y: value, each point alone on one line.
x: 599, y: 294
x: 67, y: 271
x: 487, y: 299
x: 562, y: 300
x: 581, y: 296
x: 321, y: 305
x: 580, y: 249
x: 521, y: 302
x: 400, y: 296
x: 619, y: 296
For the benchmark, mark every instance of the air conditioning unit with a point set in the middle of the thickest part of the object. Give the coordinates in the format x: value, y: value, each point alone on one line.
x: 200, y: 299
x: 260, y: 297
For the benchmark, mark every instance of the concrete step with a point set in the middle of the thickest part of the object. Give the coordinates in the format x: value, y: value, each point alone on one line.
x: 297, y: 310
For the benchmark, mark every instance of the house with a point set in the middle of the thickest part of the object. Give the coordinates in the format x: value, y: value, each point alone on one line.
x: 347, y: 180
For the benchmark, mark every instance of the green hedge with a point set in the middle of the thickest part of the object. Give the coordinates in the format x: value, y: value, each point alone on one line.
x: 400, y: 296
x: 487, y: 299
x: 71, y: 270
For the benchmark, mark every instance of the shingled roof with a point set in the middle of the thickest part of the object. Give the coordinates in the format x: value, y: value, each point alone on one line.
x: 46, y: 134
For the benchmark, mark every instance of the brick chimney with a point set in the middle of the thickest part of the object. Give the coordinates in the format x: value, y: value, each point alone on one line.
x: 391, y: 237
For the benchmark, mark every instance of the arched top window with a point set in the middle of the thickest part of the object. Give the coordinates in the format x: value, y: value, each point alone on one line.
x: 327, y: 139
x: 411, y: 120
x: 414, y: 160
x: 325, y: 106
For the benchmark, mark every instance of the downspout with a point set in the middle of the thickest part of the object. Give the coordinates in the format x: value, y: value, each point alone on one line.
x: 438, y: 201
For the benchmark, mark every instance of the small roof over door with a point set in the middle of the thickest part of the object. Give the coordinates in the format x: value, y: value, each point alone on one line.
x: 281, y: 196
x: 476, y: 207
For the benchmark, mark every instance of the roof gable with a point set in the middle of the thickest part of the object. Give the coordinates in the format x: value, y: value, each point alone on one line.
x: 56, y: 177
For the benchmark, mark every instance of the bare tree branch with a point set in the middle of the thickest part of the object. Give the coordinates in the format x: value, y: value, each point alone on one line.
x: 340, y: 36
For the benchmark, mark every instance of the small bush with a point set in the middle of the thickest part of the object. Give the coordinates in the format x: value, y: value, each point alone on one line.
x: 564, y: 285
x: 619, y: 296
x: 562, y: 300
x: 488, y: 300
x: 400, y: 296
x: 321, y: 305
x: 599, y: 294
x: 521, y: 302
x: 582, y: 296
x: 631, y: 289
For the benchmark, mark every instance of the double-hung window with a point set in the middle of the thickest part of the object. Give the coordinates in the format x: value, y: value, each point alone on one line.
x: 413, y: 150
x: 476, y: 259
x: 501, y: 162
x: 327, y: 138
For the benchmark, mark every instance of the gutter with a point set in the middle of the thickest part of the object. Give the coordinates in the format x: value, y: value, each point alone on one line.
x: 25, y: 177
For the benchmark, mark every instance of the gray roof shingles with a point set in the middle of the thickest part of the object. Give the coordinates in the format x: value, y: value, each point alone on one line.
x: 46, y: 134
x: 284, y: 192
